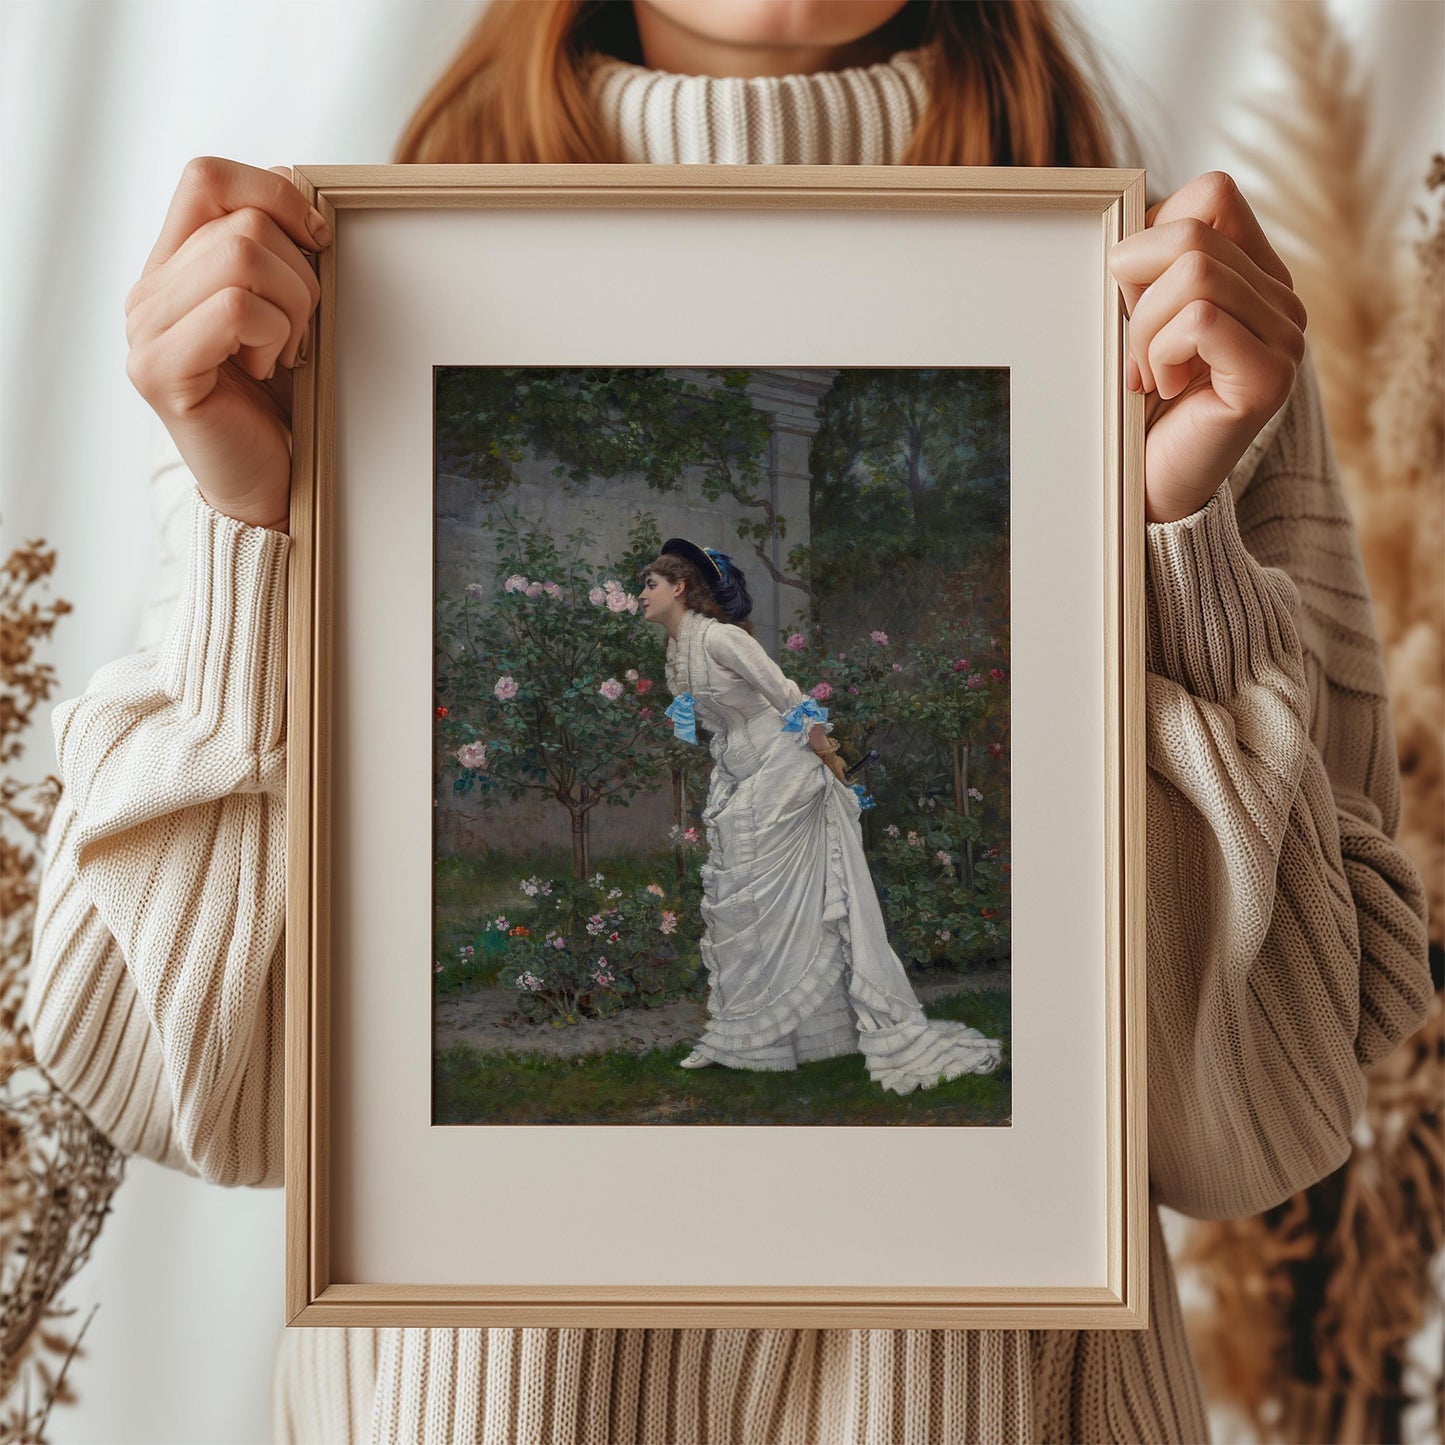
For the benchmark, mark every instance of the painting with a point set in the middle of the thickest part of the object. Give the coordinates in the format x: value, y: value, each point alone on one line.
x: 655, y: 907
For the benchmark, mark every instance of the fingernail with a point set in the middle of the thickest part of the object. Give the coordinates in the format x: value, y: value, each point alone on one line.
x: 320, y: 231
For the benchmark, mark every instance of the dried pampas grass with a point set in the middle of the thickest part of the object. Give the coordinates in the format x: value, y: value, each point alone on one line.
x: 57, y: 1172
x: 1313, y: 1305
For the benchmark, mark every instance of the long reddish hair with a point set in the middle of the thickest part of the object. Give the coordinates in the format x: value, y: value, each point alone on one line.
x: 1008, y: 85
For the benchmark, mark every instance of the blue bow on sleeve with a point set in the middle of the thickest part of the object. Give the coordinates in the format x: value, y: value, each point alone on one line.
x: 803, y: 715
x: 864, y: 801
x: 683, y: 714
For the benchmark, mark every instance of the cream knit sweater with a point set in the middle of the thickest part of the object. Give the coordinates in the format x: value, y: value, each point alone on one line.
x: 1286, y: 939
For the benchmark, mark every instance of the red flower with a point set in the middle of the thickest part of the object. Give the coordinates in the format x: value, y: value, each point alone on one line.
x: 643, y: 683
x: 441, y: 712
x: 644, y: 712
x: 996, y: 673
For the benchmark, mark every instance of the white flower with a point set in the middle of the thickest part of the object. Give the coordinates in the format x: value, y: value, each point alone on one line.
x: 529, y: 887
x: 472, y: 755
x: 975, y: 795
x: 506, y: 687
x: 552, y: 589
x: 611, y: 689
x: 475, y: 589
x: 515, y: 583
x: 617, y: 601
x: 892, y: 830
x: 614, y: 893
x: 597, y: 880
x: 597, y: 597
x: 631, y: 674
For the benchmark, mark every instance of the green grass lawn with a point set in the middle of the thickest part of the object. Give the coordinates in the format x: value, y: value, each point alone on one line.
x: 623, y: 1087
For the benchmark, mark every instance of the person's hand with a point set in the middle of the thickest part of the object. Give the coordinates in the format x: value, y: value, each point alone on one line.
x: 1215, y: 336
x: 834, y: 763
x: 215, y: 321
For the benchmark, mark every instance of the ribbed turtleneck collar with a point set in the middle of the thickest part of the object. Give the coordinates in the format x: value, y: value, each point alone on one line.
x: 863, y: 115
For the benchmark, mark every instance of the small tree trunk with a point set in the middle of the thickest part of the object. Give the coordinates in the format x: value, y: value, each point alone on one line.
x: 581, y: 808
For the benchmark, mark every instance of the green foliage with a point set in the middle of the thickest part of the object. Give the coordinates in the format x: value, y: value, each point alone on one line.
x: 910, y: 471
x: 648, y: 422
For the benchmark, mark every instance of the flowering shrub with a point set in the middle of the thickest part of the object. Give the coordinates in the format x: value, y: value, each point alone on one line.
x: 587, y: 950
x: 929, y: 910
x: 532, y: 669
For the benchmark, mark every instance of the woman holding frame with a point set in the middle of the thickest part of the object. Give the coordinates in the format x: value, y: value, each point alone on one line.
x: 1285, y: 928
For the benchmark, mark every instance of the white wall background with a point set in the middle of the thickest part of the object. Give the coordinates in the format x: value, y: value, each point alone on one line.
x: 103, y: 103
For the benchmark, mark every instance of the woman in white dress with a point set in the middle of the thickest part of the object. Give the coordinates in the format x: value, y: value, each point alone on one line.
x: 797, y: 956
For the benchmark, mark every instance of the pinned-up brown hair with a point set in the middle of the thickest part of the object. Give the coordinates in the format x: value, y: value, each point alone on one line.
x: 698, y: 597
x: 1004, y: 86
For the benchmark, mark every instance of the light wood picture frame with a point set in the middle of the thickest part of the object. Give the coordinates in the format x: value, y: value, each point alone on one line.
x: 392, y: 1220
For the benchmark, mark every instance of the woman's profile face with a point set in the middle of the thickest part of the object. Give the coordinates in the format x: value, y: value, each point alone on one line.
x: 723, y: 37
x: 659, y: 596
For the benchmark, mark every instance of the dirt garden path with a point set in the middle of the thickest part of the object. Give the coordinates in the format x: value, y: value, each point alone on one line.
x: 487, y: 1020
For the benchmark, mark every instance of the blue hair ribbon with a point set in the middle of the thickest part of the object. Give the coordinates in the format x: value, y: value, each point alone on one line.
x: 682, y: 711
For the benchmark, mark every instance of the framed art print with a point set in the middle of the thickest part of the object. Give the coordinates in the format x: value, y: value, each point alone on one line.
x: 715, y: 752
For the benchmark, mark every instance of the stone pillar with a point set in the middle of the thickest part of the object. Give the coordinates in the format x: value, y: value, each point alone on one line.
x: 789, y: 396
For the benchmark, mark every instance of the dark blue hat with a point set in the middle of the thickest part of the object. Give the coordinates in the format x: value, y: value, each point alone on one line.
x: 719, y: 573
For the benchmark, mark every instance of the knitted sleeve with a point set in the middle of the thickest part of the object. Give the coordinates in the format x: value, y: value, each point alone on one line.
x: 743, y: 655
x: 1286, y: 930
x: 155, y: 991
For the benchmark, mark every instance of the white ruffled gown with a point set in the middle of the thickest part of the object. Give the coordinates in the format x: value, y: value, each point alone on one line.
x: 797, y: 955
